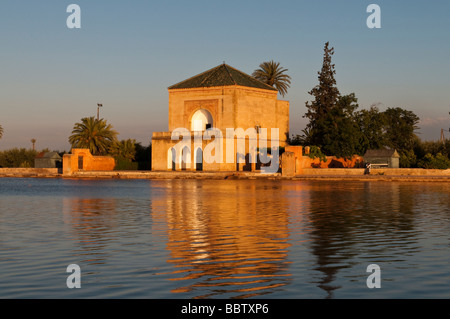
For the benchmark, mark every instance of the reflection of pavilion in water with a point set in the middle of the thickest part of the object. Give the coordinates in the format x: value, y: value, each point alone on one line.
x: 226, y: 239
x: 232, y: 238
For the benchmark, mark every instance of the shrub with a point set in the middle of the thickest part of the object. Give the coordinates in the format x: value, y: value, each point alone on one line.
x: 17, y: 158
x: 434, y: 162
x: 408, y: 159
x: 125, y: 165
x: 315, y: 152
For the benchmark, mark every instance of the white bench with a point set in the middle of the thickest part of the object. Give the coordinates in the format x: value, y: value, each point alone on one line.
x: 386, y: 165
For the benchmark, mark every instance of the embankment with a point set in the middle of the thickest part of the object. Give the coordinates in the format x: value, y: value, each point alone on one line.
x: 382, y: 174
x: 30, y: 172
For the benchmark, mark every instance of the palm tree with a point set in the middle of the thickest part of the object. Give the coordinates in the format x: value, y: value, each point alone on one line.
x: 125, y: 149
x: 272, y: 74
x: 1, y: 131
x: 33, y: 141
x: 96, y: 135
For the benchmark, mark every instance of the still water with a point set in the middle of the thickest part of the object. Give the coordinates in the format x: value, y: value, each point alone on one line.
x: 223, y: 239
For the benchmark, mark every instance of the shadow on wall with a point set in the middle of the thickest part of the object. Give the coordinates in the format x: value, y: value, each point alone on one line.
x: 335, y: 164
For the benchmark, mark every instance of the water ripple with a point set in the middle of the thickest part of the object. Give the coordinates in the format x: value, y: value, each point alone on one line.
x: 223, y: 239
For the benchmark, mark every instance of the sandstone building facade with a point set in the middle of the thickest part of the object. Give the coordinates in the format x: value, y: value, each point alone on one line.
x: 204, y: 107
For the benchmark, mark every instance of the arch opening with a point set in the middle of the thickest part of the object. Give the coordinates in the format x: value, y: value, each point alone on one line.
x: 185, y: 158
x: 171, y: 159
x: 199, y: 159
x: 201, y: 121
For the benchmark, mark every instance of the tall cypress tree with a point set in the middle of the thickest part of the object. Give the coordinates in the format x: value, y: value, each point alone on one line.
x: 332, y: 124
x: 326, y: 97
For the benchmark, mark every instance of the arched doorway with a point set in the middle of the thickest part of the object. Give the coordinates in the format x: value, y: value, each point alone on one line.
x: 80, y: 163
x: 185, y: 158
x: 201, y: 121
x: 171, y: 159
x: 199, y: 159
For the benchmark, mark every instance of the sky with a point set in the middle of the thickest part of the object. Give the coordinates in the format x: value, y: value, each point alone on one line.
x: 127, y: 53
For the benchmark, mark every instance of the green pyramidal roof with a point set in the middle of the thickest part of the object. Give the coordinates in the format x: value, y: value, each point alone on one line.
x: 222, y: 75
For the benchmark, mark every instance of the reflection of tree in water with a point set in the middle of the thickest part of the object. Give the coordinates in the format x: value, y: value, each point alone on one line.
x: 351, y: 218
x: 226, y: 237
x: 330, y: 234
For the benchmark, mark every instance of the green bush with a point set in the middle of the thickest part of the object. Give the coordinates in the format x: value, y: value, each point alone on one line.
x: 17, y: 158
x: 126, y: 165
x: 434, y: 162
x: 143, y: 156
x: 315, y: 152
x: 408, y: 159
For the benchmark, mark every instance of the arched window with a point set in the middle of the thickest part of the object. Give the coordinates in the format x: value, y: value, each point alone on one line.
x: 185, y: 158
x: 201, y: 120
x: 171, y: 159
x: 199, y: 159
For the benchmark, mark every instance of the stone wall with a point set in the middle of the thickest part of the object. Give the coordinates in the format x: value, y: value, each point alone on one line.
x: 89, y: 162
x: 303, y: 162
x: 161, y: 154
x: 377, y: 171
x: 288, y: 164
x: 26, y: 172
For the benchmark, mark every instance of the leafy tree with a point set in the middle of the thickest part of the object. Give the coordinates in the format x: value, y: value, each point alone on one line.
x: 431, y: 154
x: 130, y: 155
x: 408, y: 159
x: 342, y: 136
x: 339, y: 129
x: 399, y: 128
x: 274, y: 75
x: 144, y: 156
x: 431, y: 147
x: 372, y: 124
x: 17, y: 157
x: 434, y: 162
x: 96, y: 135
x: 297, y: 140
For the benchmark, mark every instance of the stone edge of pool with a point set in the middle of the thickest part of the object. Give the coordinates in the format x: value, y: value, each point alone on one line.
x: 308, y: 174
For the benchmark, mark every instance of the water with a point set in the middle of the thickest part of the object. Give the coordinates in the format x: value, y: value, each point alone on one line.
x: 223, y: 239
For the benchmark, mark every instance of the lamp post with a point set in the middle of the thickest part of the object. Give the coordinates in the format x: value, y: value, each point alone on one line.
x: 98, y: 110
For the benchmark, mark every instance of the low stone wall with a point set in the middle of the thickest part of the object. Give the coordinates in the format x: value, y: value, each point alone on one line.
x: 375, y: 171
x: 332, y: 171
x: 310, y: 173
x: 170, y: 175
x: 29, y: 172
x: 89, y: 163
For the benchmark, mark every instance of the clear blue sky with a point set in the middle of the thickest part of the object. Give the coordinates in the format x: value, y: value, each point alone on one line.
x: 128, y: 52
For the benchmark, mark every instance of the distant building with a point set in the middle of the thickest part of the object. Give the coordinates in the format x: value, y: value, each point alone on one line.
x: 48, y: 160
x: 382, y: 158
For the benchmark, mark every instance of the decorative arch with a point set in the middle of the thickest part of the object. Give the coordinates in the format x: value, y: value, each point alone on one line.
x: 201, y: 120
x: 185, y: 158
x: 171, y: 159
x: 198, y: 159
